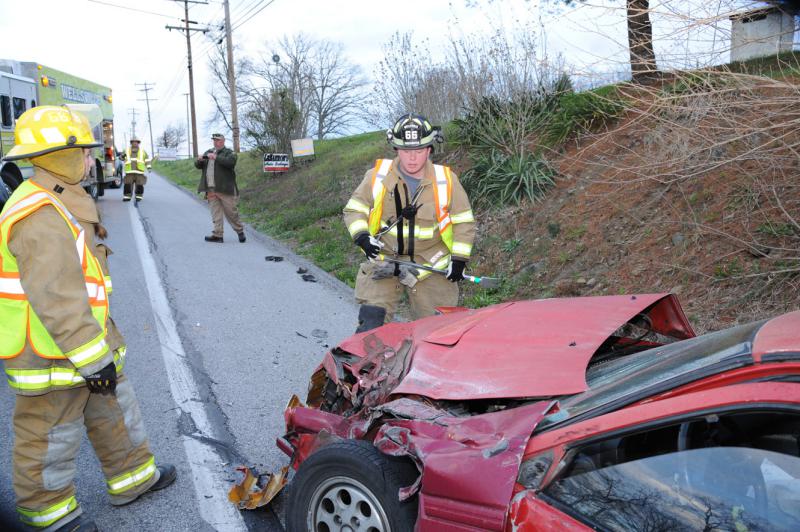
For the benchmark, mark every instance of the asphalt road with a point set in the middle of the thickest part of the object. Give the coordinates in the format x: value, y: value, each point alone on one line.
x: 218, y: 341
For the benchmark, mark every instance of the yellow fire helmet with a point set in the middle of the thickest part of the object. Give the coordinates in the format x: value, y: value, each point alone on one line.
x: 50, y: 128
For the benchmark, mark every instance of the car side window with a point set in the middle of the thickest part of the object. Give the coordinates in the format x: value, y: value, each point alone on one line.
x: 733, y: 471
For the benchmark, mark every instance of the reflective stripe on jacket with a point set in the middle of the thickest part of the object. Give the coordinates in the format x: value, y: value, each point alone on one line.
x: 22, y: 327
x: 141, y: 161
x: 444, y: 223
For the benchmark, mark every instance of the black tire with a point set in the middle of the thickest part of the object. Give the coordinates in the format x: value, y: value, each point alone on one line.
x: 100, y: 176
x: 91, y: 187
x: 363, y: 481
x: 12, y: 177
x: 5, y: 193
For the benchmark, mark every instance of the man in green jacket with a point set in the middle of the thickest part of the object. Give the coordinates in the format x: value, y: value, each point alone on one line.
x: 219, y: 184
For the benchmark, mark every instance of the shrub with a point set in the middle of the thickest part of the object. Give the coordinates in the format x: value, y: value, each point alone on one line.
x: 498, y: 178
x: 580, y: 112
x: 506, y: 139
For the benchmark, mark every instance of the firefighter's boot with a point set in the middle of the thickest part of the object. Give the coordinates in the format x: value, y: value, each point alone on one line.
x: 139, y: 192
x: 166, y: 476
x: 126, y: 192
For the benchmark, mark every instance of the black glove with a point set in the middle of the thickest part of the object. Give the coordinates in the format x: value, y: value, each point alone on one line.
x: 409, y: 212
x: 104, y: 381
x: 455, y: 270
x: 370, y: 246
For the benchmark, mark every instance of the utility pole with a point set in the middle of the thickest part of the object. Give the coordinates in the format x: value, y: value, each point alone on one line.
x: 189, y: 31
x: 188, y: 132
x: 133, y: 112
x: 231, y: 78
x: 146, y: 90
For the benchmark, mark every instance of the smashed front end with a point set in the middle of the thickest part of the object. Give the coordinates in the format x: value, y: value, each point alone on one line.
x: 460, y: 394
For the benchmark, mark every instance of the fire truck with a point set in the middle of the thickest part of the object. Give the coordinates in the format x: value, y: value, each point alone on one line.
x: 27, y: 84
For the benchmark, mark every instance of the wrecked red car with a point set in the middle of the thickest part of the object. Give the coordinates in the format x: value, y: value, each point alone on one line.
x: 561, y: 414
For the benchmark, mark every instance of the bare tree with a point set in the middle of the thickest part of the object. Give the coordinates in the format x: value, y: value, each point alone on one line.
x: 253, y: 122
x: 335, y: 89
x: 271, y: 121
x: 172, y: 136
x: 219, y: 89
x: 291, y: 74
x: 408, y: 81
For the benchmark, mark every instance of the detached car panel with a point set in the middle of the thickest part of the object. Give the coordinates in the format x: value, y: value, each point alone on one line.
x: 536, y: 348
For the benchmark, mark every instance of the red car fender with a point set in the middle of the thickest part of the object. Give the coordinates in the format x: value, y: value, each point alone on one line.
x: 469, y: 465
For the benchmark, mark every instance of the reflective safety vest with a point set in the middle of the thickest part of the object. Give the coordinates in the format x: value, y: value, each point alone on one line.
x: 21, y: 325
x: 140, y: 161
x: 442, y: 192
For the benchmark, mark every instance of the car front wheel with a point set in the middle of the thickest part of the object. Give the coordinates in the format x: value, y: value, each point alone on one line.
x: 350, y: 485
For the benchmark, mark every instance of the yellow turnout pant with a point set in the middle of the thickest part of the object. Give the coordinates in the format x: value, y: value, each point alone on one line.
x: 431, y: 292
x: 48, y: 430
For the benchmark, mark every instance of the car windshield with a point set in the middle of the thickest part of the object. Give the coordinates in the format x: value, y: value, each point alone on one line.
x: 627, y: 379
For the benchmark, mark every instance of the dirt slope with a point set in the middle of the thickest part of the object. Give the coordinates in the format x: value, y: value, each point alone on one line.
x: 701, y: 206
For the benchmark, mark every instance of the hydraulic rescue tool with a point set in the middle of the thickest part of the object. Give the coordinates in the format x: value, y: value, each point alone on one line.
x: 484, y: 282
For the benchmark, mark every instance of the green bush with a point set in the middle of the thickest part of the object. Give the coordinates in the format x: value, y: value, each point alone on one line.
x: 580, y: 112
x: 498, y: 178
x: 506, y: 139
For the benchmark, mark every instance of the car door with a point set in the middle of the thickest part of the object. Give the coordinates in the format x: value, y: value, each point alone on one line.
x: 730, y: 463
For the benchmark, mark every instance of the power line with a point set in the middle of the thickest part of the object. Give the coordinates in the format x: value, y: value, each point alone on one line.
x: 173, y: 85
x: 146, y: 90
x: 188, y: 31
x: 131, y: 9
x: 251, y: 17
x: 132, y: 111
x: 241, y: 21
x: 243, y: 12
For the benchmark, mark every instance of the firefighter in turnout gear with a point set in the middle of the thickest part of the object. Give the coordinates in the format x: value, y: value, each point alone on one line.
x: 410, y: 209
x: 62, y: 354
x: 136, y: 162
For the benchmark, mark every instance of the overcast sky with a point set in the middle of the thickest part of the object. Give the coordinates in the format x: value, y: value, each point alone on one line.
x: 120, y: 47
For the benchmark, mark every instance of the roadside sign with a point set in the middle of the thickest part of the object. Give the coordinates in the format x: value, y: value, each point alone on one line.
x: 167, y: 154
x: 276, y: 162
x: 302, y: 147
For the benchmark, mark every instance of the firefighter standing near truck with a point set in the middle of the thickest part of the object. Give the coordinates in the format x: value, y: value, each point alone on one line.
x: 410, y: 209
x: 136, y: 163
x: 63, y: 356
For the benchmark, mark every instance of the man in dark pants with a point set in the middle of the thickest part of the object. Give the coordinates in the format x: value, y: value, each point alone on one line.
x: 219, y: 184
x: 136, y: 164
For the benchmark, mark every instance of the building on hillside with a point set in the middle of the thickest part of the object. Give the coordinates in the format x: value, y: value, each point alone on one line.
x: 761, y: 32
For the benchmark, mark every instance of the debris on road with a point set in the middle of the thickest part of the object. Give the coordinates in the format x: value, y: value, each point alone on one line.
x: 309, y: 278
x: 254, y: 491
x: 301, y: 335
x: 273, y: 258
x: 302, y: 270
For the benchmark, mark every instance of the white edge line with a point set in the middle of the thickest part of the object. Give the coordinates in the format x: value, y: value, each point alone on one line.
x: 206, y: 464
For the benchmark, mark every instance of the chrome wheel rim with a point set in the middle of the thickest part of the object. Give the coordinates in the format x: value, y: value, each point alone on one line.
x: 342, y: 504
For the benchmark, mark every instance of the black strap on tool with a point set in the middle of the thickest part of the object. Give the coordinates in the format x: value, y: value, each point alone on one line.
x: 398, y: 208
x: 410, y: 214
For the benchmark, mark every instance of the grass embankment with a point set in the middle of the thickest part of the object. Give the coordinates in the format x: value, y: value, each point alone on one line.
x: 681, y: 191
x: 303, y: 206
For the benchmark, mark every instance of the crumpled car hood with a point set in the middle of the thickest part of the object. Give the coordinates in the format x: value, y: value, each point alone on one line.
x: 535, y: 348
